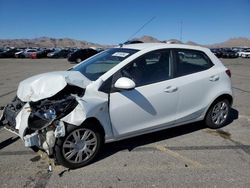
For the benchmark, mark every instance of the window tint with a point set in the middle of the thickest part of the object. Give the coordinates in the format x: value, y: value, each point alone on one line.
x: 149, y: 68
x: 190, y: 61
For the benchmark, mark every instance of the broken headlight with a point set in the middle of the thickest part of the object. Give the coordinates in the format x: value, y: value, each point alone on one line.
x: 46, y: 111
x: 49, y: 114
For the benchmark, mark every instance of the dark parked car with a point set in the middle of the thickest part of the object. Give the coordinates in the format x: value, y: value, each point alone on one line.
x: 228, y: 53
x: 9, y: 53
x: 217, y: 52
x: 59, y: 54
x: 82, y: 54
x: 43, y: 53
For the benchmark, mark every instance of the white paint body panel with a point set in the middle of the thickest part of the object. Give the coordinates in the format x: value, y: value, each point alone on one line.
x: 143, y: 108
x: 22, y: 120
x: 194, y: 93
x: 76, y: 117
x: 46, y: 85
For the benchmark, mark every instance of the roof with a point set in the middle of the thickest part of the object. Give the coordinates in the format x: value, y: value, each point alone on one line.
x: 144, y: 46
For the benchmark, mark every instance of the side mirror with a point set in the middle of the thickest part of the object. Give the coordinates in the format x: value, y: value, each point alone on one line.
x: 124, y: 83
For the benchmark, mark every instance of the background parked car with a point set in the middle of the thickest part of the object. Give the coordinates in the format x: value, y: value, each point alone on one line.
x: 10, y: 53
x: 43, y: 53
x: 59, y: 53
x: 237, y: 49
x: 228, y: 53
x: 217, y: 52
x: 27, y: 53
x: 244, y: 53
x: 81, y: 54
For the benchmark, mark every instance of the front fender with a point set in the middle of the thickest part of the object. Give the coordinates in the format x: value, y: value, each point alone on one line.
x: 91, y: 108
x: 76, y: 117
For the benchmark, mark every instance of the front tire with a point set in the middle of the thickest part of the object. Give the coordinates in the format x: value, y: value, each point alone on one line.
x: 218, y: 114
x: 79, y: 147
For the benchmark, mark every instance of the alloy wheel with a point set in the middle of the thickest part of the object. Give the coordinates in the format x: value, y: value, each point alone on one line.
x: 220, y: 113
x: 79, y: 145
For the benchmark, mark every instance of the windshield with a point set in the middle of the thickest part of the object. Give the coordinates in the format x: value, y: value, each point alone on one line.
x: 103, y: 62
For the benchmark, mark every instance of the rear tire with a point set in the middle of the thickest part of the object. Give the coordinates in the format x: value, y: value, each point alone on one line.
x: 218, y: 114
x: 79, y: 147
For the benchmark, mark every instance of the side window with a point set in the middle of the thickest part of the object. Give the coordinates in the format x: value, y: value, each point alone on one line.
x: 190, y: 61
x: 149, y: 68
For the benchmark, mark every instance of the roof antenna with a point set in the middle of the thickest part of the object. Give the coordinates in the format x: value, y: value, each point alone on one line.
x: 144, y: 25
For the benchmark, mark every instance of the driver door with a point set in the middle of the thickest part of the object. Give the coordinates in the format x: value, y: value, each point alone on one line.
x: 152, y: 104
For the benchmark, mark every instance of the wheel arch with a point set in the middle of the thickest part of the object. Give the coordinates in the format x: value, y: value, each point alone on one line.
x: 224, y: 96
x: 94, y: 123
x: 220, y: 97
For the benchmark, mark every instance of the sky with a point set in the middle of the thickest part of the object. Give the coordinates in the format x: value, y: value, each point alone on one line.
x: 114, y: 21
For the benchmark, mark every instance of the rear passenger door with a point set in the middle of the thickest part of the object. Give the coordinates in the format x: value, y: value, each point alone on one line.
x: 192, y: 72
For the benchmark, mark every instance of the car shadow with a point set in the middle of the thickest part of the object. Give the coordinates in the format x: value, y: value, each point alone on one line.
x: 132, y: 143
x: 234, y: 114
x: 137, y: 98
x: 8, y: 142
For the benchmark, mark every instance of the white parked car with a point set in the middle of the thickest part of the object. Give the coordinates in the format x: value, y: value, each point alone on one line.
x: 25, y: 53
x: 244, y: 53
x: 119, y: 93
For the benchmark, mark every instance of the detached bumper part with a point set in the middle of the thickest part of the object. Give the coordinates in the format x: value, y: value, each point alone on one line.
x: 32, y: 140
x: 49, y: 143
x: 60, y: 129
x: 45, y: 142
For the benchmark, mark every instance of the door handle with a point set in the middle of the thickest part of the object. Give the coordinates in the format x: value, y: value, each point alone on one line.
x: 170, y: 89
x: 214, y: 78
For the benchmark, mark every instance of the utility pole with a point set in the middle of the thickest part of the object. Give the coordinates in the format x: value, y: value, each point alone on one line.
x: 181, y: 31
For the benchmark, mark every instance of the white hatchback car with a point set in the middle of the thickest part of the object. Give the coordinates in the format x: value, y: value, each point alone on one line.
x: 244, y: 53
x: 119, y: 93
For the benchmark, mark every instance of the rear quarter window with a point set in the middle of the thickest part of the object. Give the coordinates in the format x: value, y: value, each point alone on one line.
x: 190, y: 61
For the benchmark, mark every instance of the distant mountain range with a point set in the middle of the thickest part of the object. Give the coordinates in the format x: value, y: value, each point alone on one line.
x: 67, y: 42
x: 47, y: 42
x: 233, y: 42
x: 240, y: 41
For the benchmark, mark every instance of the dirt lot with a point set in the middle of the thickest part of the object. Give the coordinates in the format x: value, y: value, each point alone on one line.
x: 187, y: 156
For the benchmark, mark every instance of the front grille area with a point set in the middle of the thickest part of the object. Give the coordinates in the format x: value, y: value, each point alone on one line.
x: 10, y: 116
x: 10, y: 112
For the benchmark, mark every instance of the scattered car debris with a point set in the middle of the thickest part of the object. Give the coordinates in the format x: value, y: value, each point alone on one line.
x: 62, y: 173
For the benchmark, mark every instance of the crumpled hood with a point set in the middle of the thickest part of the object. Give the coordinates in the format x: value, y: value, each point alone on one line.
x: 48, y: 84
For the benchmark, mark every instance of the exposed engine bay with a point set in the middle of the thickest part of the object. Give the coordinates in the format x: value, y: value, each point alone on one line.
x: 44, y: 123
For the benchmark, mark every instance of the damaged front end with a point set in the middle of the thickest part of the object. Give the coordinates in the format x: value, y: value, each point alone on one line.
x: 39, y: 123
